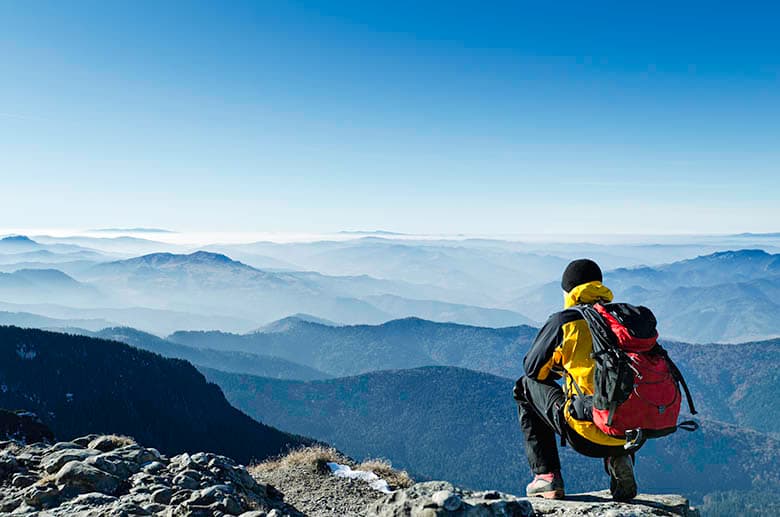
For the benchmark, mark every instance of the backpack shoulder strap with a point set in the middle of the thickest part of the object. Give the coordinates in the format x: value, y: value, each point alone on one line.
x: 603, y: 338
x: 677, y: 374
x: 604, y: 344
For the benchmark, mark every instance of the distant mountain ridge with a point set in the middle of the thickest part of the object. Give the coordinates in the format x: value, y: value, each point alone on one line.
x: 229, y: 361
x: 205, y: 281
x: 18, y: 243
x: 728, y: 296
x: 29, y: 320
x: 444, y: 312
x: 290, y: 322
x: 405, y: 343
x: 32, y: 285
x: 80, y: 385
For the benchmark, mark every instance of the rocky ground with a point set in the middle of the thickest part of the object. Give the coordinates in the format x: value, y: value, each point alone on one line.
x: 97, y: 476
x: 312, y: 489
x: 102, y: 476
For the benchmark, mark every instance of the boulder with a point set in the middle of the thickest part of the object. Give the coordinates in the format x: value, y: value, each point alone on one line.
x: 82, y: 478
x: 20, y: 480
x: 41, y: 495
x: 137, y: 454
x: 54, y: 461
x: 85, y: 440
x: 59, y: 446
x: 113, y: 464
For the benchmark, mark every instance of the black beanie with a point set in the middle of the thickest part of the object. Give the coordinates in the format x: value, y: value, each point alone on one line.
x: 580, y: 271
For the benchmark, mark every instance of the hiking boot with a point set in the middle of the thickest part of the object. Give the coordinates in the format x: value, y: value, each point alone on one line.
x: 622, y: 484
x: 549, y: 486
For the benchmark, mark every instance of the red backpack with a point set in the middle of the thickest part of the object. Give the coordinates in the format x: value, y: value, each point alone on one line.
x: 636, y: 385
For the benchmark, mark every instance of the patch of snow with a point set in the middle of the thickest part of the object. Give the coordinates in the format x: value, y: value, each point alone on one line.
x: 26, y: 352
x: 374, y: 481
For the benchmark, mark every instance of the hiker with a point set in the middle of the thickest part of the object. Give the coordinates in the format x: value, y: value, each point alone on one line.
x: 586, y: 416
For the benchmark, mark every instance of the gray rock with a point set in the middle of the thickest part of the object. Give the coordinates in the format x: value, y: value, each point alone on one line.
x: 23, y: 480
x: 113, y: 464
x: 91, y: 499
x: 59, y: 446
x: 80, y: 477
x: 436, y: 498
x: 83, y: 441
x: 153, y: 467
x: 254, y: 513
x: 137, y: 454
x: 41, y: 496
x: 601, y: 503
x: 154, y: 508
x: 186, y: 481
x: 142, y: 478
x: 129, y: 508
x: 180, y: 496
x: 162, y: 495
x: 231, y: 505
x: 53, y: 462
x: 8, y: 505
x: 214, y: 493
x: 181, y: 462
x: 447, y: 500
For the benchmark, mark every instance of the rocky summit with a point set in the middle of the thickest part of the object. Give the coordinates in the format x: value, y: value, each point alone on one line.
x: 110, y: 475
x: 102, y: 476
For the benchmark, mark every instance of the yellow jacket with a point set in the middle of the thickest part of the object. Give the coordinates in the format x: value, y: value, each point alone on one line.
x: 564, y: 345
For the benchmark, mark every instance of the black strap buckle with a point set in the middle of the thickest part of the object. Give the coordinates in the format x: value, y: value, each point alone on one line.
x: 635, y: 439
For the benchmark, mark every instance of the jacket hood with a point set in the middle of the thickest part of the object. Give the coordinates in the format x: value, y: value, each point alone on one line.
x: 589, y: 293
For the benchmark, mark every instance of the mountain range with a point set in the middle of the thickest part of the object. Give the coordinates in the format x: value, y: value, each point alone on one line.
x: 729, y: 296
x: 80, y: 385
x: 203, y: 283
x: 726, y: 296
x: 51, y: 285
x: 739, y: 395
x: 299, y: 348
x: 406, y: 343
x: 226, y: 360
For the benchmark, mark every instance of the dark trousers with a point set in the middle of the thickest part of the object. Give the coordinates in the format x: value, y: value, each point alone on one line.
x: 540, y: 408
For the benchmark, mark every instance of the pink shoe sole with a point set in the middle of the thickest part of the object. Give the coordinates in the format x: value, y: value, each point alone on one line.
x: 552, y: 494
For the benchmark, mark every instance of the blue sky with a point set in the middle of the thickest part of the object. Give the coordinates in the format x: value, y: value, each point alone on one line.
x: 475, y: 117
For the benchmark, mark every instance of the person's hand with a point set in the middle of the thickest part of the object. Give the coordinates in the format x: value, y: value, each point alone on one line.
x: 517, y: 390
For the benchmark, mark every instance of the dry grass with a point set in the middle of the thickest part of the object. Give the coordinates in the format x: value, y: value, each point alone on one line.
x: 315, y: 458
x: 384, y: 469
x: 303, y: 457
x: 46, y: 479
x: 120, y: 440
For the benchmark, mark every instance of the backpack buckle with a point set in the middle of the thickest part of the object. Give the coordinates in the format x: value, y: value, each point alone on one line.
x: 635, y: 439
